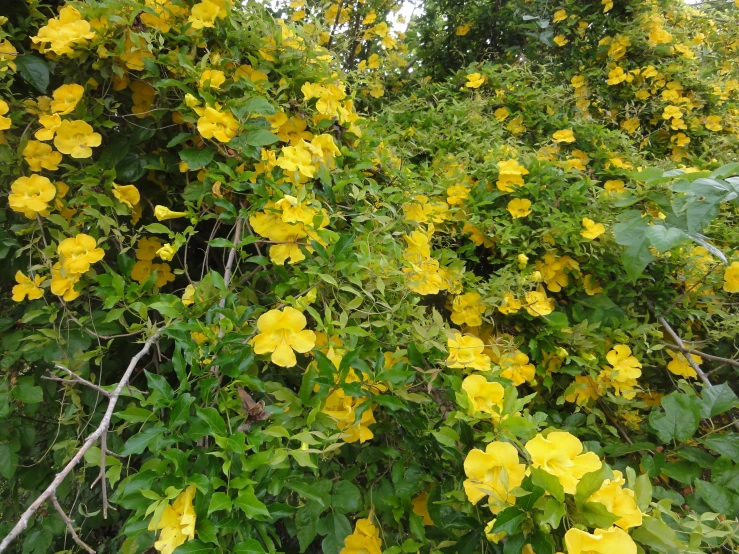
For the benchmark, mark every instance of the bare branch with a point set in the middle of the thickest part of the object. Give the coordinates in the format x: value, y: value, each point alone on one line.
x: 70, y: 526
x: 75, y: 379
x: 704, y: 355
x: 91, y: 439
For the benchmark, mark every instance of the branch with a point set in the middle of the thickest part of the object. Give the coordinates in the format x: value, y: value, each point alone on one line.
x: 92, y: 439
x: 93, y: 333
x: 75, y: 379
x: 231, y: 258
x: 704, y: 355
x: 70, y: 526
x: 701, y: 374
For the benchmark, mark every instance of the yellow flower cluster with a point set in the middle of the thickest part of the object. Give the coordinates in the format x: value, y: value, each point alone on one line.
x: 177, y: 522
x: 623, y: 372
x: 555, y: 270
x: 510, y: 175
x: 63, y: 33
x: 289, y: 224
x: 146, y: 251
x: 467, y: 309
x: 424, y: 273
x: 364, y: 540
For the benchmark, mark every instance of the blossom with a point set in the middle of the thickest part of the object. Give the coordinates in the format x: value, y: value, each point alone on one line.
x: 167, y: 252
x: 143, y: 98
x: 672, y: 112
x: 493, y: 473
x: 559, y: 454
x: 41, y: 156
x: 467, y: 309
x: 577, y: 81
x: 222, y: 126
x: 163, y: 213
x: 141, y: 271
x: 565, y: 135
x: 78, y: 253
x: 457, y: 194
x: 607, y: 5
x: 582, y: 390
x: 510, y: 304
x: 510, y: 175
x: 592, y: 229
x: 537, y: 304
x: 76, y: 138
x: 475, y: 80
x: 630, y: 125
x: 560, y: 40
x: 614, y: 186
x: 462, y: 30
x: 31, y: 195
x: 64, y: 32
x: 281, y: 333
x: 713, y: 123
x: 297, y: 158
x: 177, y: 523
x: 50, y: 124
x: 625, y: 369
x: 559, y: 15
x: 501, y: 114
x: 516, y: 367
x: 7, y: 55
x: 731, y: 278
x: 146, y: 248
x: 424, y: 277
x: 421, y: 507
x: 63, y: 282
x: 680, y: 365
x: 164, y: 274
x: 188, y: 296
x: 485, y: 397
x: 519, y: 207
x: 27, y: 287
x: 591, y: 285
x: 66, y: 98
x: 364, y: 540
x: 5, y: 122
x: 601, y: 541
x: 618, y: 500
x: 127, y: 194
x: 553, y: 270
x: 212, y: 78
x: 616, y: 76
x: 342, y: 408
x: 467, y: 351
x: 204, y: 14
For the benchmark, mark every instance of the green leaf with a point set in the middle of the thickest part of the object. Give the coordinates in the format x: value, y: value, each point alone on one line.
x: 249, y: 546
x: 717, y: 400
x: 541, y: 543
x: 656, y: 534
x: 631, y: 232
x: 138, y: 443
x: 720, y: 499
x: 590, y: 483
x: 726, y: 444
x: 250, y: 504
x: 514, y: 544
x: 597, y: 515
x: 664, y: 239
x: 8, y: 461
x: 553, y: 512
x: 220, y: 501
x: 159, y: 384
x: 34, y: 71
x: 678, y: 420
x: 548, y: 482
x: 508, y: 521
x: 307, y: 491
x: 392, y: 403
x: 157, y: 228
x: 193, y: 547
x: 260, y: 137
x: 27, y: 392
x: 346, y: 497
x: 196, y: 158
x: 725, y: 474
x: 643, y: 492
x: 214, y: 420
x: 38, y: 541
x: 684, y: 472
x: 306, y: 521
x: 260, y: 105
x: 336, y: 528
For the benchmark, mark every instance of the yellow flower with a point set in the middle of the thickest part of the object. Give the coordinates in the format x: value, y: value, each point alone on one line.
x: 364, y: 540
x: 342, y: 408
x: 493, y: 473
x: 424, y: 277
x: 616, y: 76
x: 486, y: 397
x: 281, y: 333
x: 78, y: 253
x: 553, y: 272
x: 76, y: 139
x: 164, y: 274
x: 592, y: 229
x: 213, y: 78
x: 630, y: 125
x: 163, y: 213
x: 560, y: 40
x: 127, y: 194
x: 537, y: 304
x: 188, y: 297
x: 560, y: 454
x: 466, y: 351
x: 141, y: 270
x: 519, y: 207
x: 713, y: 123
x: 565, y: 135
x: 510, y: 304
x: 614, y: 186
x: 7, y: 55
x: 457, y: 194
x: 64, y: 32
x: 592, y: 286
x: 177, y: 523
x: 493, y: 537
x: 222, y: 126
x: 63, y: 282
x: 619, y: 501
x: 731, y: 278
x: 523, y: 259
x: 31, y: 195
x: 672, y: 112
x: 680, y: 365
x: 501, y: 114
x: 559, y: 15
x: 601, y: 541
x: 167, y: 252
x: 577, y: 81
x: 516, y: 126
x: 41, y: 156
x: 147, y: 248
x: 516, y: 367
x: 66, y: 98
x: 421, y: 508
x: 582, y: 390
x: 467, y: 309
x: 5, y: 122
x: 26, y: 287
x: 475, y: 80
x: 625, y: 369
x: 462, y: 30
x: 50, y: 124
x: 607, y: 5
x: 510, y: 175
x: 204, y: 15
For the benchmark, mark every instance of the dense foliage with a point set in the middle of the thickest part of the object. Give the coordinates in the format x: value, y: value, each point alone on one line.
x: 284, y: 279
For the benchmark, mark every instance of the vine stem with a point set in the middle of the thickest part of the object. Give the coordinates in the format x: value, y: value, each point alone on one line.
x: 50, y: 491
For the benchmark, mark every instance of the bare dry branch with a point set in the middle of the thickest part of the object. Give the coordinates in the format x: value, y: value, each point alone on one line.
x: 70, y: 526
x: 91, y: 439
x: 711, y: 357
x: 76, y: 379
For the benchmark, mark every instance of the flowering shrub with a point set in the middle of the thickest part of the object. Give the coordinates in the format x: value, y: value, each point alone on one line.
x: 243, y: 315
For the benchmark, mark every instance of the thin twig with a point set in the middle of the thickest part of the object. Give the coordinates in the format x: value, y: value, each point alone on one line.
x: 76, y: 379
x: 703, y: 355
x: 70, y: 526
x: 93, y: 333
x: 92, y: 439
x: 231, y: 258
x: 612, y: 418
